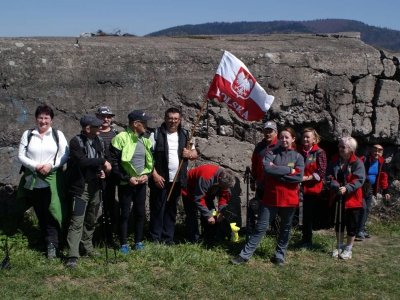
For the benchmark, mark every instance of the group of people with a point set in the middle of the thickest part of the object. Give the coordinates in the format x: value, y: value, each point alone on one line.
x: 100, y: 160
x: 284, y: 174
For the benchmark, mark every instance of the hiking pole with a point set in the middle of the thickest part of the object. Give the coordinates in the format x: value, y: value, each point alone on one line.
x: 6, y: 263
x: 247, y: 178
x: 340, y: 221
x: 335, y: 223
x: 106, y: 217
x: 103, y: 216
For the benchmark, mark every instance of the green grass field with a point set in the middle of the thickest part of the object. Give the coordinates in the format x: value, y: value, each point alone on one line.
x: 202, y: 272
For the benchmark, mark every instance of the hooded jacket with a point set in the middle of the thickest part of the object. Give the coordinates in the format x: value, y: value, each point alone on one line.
x: 354, y: 178
x: 281, y: 187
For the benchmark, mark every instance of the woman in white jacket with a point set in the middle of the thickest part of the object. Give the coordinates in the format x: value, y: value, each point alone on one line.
x: 42, y: 153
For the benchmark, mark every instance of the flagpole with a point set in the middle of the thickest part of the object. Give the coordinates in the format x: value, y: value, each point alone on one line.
x: 188, y: 146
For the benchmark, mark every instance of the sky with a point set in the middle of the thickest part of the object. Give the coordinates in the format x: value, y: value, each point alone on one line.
x: 24, y: 18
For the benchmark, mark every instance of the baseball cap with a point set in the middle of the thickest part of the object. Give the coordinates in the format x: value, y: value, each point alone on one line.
x: 270, y: 125
x: 138, y: 115
x: 104, y: 110
x: 90, y: 120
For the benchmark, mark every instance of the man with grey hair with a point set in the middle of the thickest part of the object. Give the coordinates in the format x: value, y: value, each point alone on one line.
x: 204, y: 183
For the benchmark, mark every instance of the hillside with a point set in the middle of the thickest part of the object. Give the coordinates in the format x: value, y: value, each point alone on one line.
x: 372, y: 35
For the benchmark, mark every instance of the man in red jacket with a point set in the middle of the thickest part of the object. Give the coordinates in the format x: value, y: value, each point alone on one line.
x: 375, y: 168
x: 204, y: 183
x: 268, y: 143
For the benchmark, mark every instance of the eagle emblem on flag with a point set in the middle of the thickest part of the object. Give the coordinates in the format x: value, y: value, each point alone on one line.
x: 243, y: 84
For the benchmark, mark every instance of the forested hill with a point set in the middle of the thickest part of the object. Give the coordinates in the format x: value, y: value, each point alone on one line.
x: 376, y: 36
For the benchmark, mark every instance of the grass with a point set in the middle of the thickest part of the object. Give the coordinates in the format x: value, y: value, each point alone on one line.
x: 202, y: 272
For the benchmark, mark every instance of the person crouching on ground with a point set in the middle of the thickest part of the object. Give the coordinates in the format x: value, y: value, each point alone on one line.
x: 204, y: 183
x: 345, y: 177
x: 284, y: 169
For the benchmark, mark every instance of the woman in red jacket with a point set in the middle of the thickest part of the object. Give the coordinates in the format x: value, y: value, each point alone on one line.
x: 345, y: 177
x: 313, y: 179
x: 283, y: 168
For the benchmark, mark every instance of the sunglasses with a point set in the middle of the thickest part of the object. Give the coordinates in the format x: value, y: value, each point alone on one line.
x: 377, y: 149
x: 343, y: 147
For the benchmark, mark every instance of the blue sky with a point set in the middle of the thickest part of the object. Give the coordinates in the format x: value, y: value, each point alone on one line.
x: 23, y: 18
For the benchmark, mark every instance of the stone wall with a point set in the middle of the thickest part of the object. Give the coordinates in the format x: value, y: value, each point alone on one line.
x: 335, y: 83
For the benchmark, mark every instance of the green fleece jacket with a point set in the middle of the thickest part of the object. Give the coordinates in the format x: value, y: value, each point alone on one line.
x: 58, y: 190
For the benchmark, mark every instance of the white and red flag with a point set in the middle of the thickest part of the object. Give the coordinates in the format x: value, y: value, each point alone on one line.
x: 234, y: 85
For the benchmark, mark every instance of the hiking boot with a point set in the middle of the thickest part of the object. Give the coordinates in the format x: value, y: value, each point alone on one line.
x: 93, y: 254
x: 277, y: 261
x: 51, y: 251
x: 72, y: 263
x: 124, y: 249
x: 360, y: 236
x: 238, y: 260
x: 335, y: 253
x: 345, y: 254
x: 139, y: 246
x: 305, y: 246
x: 367, y: 235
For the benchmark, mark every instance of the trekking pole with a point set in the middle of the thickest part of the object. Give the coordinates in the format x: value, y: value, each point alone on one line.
x: 103, y: 217
x: 247, y: 178
x: 335, y: 223
x: 106, y: 223
x: 6, y: 263
x: 340, y: 222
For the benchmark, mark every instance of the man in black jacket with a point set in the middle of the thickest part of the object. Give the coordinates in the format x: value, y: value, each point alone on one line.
x: 169, y: 148
x: 87, y: 164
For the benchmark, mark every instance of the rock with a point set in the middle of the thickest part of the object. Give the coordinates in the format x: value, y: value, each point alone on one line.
x: 333, y: 82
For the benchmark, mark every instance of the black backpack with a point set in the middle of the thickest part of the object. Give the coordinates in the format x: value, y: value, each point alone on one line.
x: 54, y: 133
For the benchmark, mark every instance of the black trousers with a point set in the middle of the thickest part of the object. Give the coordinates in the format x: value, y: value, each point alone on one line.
x: 41, y: 199
x: 128, y: 194
x: 308, y: 205
x: 348, y: 218
x: 163, y: 213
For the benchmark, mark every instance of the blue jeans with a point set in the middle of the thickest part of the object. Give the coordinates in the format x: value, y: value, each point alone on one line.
x: 364, y: 211
x: 265, y: 217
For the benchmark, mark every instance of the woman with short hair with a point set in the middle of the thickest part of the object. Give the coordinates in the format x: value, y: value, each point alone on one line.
x: 42, y: 152
x: 345, y: 177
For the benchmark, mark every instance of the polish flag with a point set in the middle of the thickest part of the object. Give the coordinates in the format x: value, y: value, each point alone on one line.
x: 234, y: 85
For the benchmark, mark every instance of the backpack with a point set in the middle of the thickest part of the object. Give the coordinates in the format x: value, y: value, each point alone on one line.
x: 54, y: 133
